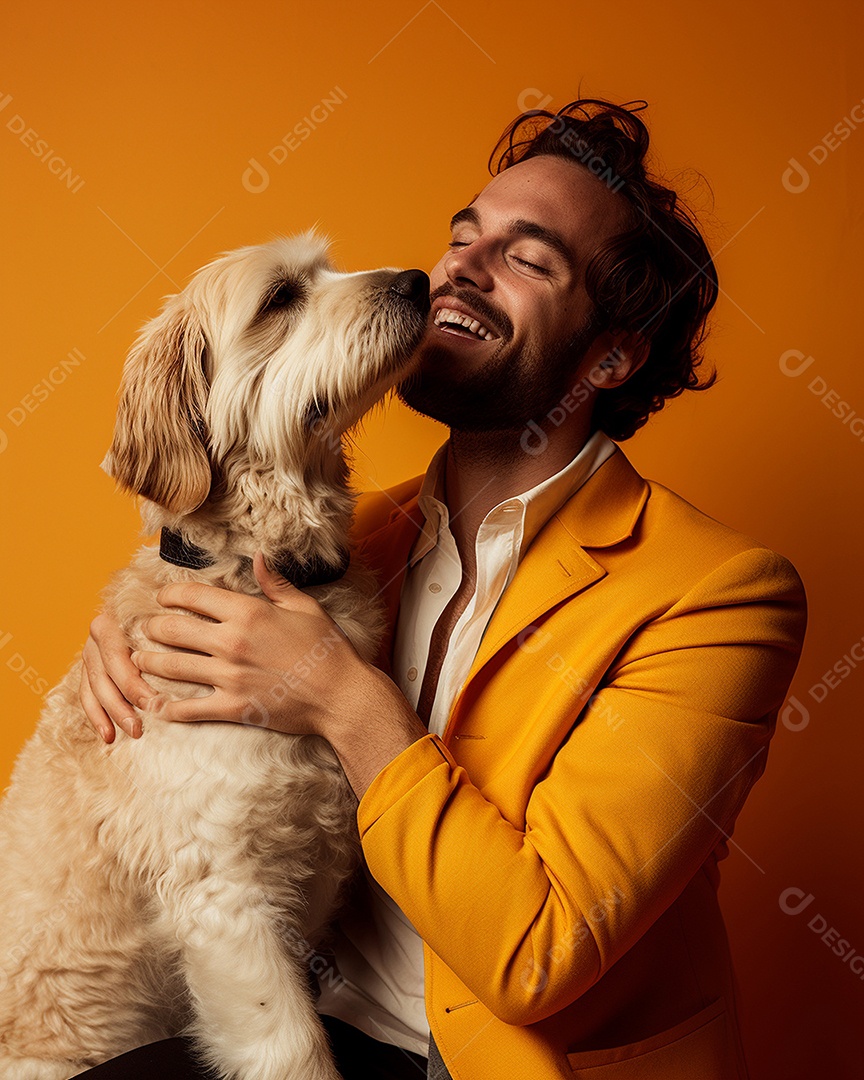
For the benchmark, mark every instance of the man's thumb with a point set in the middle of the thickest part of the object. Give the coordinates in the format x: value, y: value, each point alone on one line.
x: 273, y: 585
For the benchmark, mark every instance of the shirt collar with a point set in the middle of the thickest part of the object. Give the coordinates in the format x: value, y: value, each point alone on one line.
x: 536, y: 506
x: 430, y: 500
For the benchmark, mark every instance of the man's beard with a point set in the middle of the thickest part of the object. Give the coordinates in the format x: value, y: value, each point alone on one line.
x: 503, y: 395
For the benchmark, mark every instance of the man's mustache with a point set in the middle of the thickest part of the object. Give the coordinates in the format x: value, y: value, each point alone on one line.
x: 491, y: 316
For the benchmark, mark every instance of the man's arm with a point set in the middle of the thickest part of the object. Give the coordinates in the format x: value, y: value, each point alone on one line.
x: 631, y: 811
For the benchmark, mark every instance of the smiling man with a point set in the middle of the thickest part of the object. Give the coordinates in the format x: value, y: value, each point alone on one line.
x: 582, y: 671
x: 530, y: 328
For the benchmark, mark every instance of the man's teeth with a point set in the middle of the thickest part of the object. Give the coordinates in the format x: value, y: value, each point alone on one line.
x: 448, y: 317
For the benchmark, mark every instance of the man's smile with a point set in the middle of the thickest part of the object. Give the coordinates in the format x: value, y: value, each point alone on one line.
x: 453, y: 322
x: 452, y: 316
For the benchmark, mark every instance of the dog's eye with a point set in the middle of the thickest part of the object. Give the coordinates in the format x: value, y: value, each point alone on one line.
x: 316, y: 411
x: 281, y: 295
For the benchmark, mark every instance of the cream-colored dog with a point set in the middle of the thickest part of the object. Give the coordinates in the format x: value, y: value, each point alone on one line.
x: 161, y: 885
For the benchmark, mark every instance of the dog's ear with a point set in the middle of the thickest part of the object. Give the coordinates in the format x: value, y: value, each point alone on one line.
x: 159, y: 445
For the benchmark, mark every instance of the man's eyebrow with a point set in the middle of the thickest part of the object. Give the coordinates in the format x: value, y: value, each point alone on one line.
x: 521, y: 227
x: 468, y: 216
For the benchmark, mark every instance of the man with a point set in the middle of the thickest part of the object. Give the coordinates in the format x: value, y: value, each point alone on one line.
x: 582, y: 674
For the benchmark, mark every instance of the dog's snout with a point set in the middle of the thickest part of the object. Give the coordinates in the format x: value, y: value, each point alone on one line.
x: 413, y: 285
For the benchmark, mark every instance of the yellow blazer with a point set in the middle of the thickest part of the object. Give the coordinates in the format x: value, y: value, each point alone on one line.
x: 557, y: 848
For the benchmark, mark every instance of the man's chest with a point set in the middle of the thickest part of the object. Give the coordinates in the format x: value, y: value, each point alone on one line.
x: 439, y: 644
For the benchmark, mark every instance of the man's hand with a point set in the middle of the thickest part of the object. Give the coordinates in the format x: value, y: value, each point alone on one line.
x: 110, y: 682
x: 277, y: 661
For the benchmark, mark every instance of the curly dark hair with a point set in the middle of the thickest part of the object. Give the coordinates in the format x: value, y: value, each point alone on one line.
x: 656, y: 278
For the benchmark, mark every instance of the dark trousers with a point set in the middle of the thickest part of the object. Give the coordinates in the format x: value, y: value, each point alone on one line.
x: 358, y: 1057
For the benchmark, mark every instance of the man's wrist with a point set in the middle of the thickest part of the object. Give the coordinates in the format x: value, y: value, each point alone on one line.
x: 371, y: 724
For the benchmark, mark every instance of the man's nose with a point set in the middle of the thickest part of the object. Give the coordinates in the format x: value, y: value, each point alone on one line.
x: 471, y: 265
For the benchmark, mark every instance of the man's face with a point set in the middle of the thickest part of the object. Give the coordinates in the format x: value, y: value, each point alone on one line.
x: 515, y: 264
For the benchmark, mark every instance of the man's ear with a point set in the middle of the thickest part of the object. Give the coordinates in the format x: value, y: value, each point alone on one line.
x: 615, y: 356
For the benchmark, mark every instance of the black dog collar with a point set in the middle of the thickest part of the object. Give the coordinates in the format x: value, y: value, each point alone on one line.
x: 174, y: 549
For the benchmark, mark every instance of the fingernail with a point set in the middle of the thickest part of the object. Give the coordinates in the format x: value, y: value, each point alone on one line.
x: 134, y: 658
x: 132, y: 726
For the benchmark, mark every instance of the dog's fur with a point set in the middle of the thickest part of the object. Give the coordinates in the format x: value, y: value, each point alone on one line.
x: 177, y: 882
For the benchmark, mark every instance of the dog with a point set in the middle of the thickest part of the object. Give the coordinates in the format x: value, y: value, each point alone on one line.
x: 162, y: 885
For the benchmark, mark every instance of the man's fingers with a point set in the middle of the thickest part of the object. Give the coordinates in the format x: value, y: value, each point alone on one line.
x: 101, y: 698
x: 210, y: 600
x: 183, y: 632
x: 116, y: 708
x: 108, y: 651
x: 223, y: 605
x: 180, y: 666
x: 98, y: 718
x: 211, y: 707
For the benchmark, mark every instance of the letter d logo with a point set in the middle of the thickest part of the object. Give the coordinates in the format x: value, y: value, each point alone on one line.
x: 522, y: 101
x: 255, y: 715
x: 793, y: 362
x: 539, y: 434
x: 530, y: 639
x: 534, y: 978
x: 256, y: 178
x: 795, y: 716
x: 796, y: 178
x: 793, y: 901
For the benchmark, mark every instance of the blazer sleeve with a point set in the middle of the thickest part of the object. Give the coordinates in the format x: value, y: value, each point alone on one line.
x: 627, y: 811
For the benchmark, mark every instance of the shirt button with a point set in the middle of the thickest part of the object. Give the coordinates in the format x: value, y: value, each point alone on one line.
x: 434, y: 587
x: 412, y: 673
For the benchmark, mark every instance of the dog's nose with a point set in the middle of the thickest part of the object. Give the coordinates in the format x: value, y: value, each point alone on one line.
x: 413, y: 285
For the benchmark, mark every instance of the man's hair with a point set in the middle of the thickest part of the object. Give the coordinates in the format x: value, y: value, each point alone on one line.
x: 656, y: 278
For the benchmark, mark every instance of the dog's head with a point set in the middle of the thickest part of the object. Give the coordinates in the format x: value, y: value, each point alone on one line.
x: 261, y: 363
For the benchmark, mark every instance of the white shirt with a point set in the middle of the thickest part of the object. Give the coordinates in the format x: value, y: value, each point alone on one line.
x: 379, y: 986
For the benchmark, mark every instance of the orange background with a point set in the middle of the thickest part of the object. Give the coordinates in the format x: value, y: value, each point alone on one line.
x: 157, y: 110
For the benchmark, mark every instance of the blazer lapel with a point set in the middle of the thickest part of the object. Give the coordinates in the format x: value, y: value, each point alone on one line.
x: 556, y: 566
